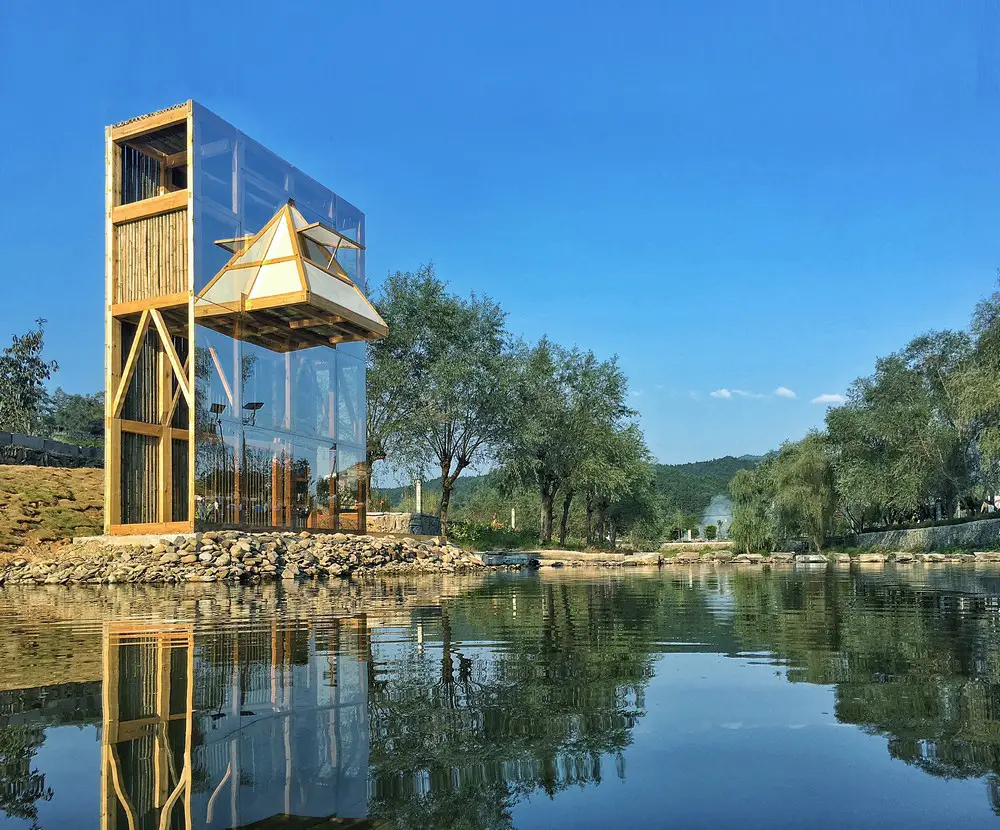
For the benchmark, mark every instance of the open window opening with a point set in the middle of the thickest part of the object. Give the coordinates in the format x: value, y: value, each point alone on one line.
x: 153, y: 164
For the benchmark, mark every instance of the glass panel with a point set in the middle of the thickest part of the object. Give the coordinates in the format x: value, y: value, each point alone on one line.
x: 265, y: 387
x: 350, y: 462
x: 260, y: 203
x: 210, y: 225
x: 280, y: 437
x: 313, y: 372
x: 348, y: 259
x: 215, y: 161
x: 262, y: 483
x: 216, y: 471
x: 267, y: 167
x: 350, y: 401
x: 314, y: 200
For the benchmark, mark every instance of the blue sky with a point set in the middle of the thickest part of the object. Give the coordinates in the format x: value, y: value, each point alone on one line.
x: 728, y: 196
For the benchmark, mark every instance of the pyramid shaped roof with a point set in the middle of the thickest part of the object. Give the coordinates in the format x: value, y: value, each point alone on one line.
x: 288, y: 278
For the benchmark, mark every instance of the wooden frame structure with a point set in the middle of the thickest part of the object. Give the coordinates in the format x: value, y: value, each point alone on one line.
x: 149, y: 291
x: 154, y: 299
x: 171, y: 782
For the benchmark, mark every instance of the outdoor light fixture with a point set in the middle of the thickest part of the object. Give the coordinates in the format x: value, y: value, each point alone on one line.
x: 217, y: 409
x: 253, y: 407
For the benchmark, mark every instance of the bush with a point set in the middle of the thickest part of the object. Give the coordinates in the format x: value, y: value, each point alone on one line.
x: 481, y: 536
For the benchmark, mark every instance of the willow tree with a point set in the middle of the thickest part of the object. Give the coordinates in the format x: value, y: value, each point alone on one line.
x: 753, y: 491
x: 805, y: 497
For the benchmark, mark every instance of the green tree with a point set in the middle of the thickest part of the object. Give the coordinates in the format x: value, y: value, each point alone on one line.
x: 396, y: 365
x: 753, y: 491
x: 568, y: 408
x: 979, y: 392
x: 78, y: 419
x: 902, y: 442
x: 23, y: 373
x: 617, y: 468
x: 464, y: 398
x: 805, y: 495
x: 711, y: 532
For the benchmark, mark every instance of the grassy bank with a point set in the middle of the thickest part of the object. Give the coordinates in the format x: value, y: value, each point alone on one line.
x: 48, y: 504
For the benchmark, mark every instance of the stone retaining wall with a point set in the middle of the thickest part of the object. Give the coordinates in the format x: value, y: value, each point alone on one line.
x: 417, y: 524
x: 41, y: 452
x: 978, y: 534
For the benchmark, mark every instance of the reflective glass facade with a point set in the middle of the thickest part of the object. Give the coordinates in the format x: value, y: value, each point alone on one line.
x: 280, y: 438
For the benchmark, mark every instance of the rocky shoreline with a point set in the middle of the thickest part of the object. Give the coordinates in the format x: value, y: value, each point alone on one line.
x: 872, y: 558
x: 226, y: 556
x: 236, y: 557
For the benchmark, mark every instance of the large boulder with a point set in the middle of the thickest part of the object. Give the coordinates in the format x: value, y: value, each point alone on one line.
x: 810, y: 559
x: 872, y: 558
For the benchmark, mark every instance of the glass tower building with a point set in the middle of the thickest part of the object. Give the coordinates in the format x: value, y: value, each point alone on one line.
x: 236, y: 321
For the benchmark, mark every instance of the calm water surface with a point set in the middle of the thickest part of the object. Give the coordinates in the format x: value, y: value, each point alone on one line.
x: 600, y: 699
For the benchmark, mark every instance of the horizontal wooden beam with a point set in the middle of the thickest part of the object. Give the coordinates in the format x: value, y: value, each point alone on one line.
x: 151, y: 123
x: 152, y: 430
x: 137, y: 306
x: 153, y: 206
x: 332, y: 320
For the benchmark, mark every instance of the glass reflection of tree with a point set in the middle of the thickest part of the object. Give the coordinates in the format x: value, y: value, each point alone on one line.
x: 21, y: 786
x: 461, y: 733
x: 917, y: 665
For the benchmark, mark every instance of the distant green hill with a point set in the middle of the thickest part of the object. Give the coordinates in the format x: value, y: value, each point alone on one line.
x: 690, y: 487
x: 465, y: 486
x: 685, y: 487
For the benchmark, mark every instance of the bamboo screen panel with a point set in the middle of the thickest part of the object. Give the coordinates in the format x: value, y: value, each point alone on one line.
x: 142, y: 400
x: 151, y: 257
x: 139, y: 478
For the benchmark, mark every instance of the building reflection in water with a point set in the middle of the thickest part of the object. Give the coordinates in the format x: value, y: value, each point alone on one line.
x: 248, y: 728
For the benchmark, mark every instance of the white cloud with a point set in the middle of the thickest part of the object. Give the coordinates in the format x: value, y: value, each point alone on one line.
x: 829, y: 398
x: 784, y: 392
x: 728, y: 394
x: 637, y: 393
x: 659, y: 386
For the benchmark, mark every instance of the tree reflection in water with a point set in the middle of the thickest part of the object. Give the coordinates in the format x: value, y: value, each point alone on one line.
x: 423, y: 704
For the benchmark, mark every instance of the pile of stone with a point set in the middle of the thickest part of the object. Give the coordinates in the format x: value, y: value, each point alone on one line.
x: 229, y: 556
x: 866, y: 558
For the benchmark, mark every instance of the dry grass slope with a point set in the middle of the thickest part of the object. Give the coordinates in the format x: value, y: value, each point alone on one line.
x: 48, y: 504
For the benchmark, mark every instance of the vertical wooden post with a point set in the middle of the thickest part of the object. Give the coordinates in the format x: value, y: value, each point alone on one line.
x: 237, y: 518
x: 275, y: 492
x: 112, y: 345
x: 289, y: 496
x: 362, y: 497
x: 161, y: 752
x: 192, y: 383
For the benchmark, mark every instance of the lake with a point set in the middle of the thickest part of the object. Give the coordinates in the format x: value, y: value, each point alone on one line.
x: 789, y: 697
